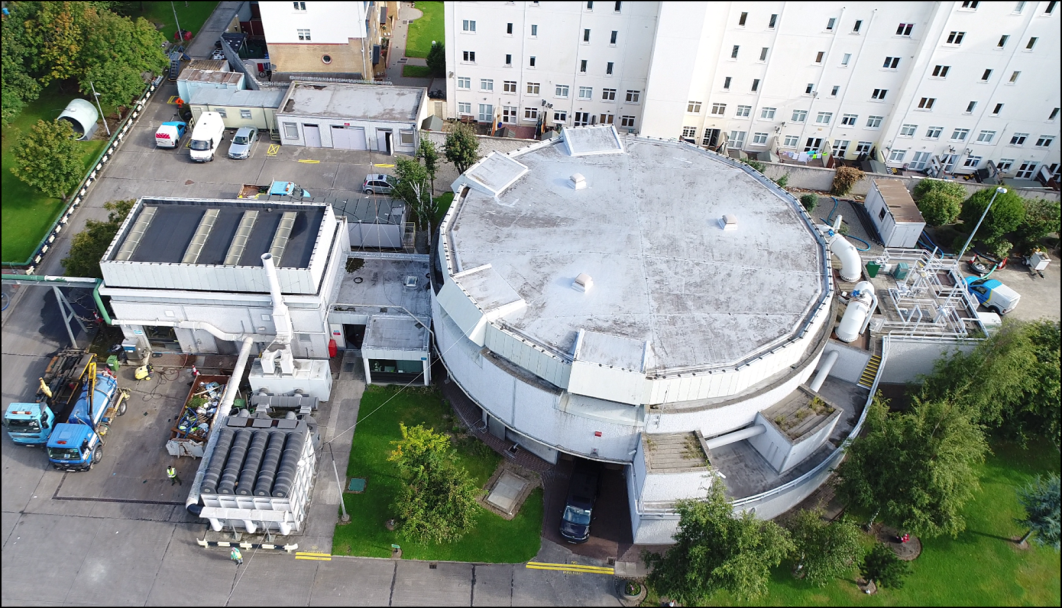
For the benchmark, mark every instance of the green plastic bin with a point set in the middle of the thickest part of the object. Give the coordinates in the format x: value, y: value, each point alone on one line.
x: 112, y: 362
x: 872, y: 269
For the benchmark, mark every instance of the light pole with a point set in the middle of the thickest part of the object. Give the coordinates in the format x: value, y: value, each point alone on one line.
x: 180, y: 34
x: 97, y: 96
x: 999, y: 190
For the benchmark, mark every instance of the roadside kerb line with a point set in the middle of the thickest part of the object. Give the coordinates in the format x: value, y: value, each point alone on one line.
x: 579, y: 568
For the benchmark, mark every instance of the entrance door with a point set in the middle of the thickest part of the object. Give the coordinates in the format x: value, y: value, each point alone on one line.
x: 711, y: 138
x: 383, y: 141
x: 341, y: 138
x: 313, y: 136
x: 581, y: 119
x: 919, y: 162
x: 813, y: 144
x: 1026, y: 170
x: 354, y: 335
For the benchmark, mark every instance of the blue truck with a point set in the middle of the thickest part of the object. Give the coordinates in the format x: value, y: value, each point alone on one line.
x: 77, y: 444
x: 31, y: 423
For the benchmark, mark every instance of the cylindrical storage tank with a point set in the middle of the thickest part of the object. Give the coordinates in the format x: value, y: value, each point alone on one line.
x: 217, y: 461
x: 857, y: 311
x: 289, y: 464
x: 227, y: 484
x: 268, y: 471
x: 252, y: 463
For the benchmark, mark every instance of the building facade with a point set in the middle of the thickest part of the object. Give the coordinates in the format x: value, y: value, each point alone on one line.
x: 327, y: 37
x: 933, y: 86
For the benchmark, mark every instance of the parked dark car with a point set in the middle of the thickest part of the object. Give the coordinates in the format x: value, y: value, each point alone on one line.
x: 579, y: 508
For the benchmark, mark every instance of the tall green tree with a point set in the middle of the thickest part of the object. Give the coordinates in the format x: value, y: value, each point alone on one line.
x: 430, y: 154
x: 1041, y: 499
x: 437, y: 61
x: 824, y: 550
x: 19, y: 85
x: 117, y: 55
x: 57, y: 35
x: 882, y: 567
x: 917, y: 466
x: 939, y: 201
x: 90, y: 244
x: 461, y: 147
x: 1006, y: 214
x: 48, y: 158
x: 1042, y: 217
x: 437, y: 500
x: 717, y: 550
x: 413, y: 188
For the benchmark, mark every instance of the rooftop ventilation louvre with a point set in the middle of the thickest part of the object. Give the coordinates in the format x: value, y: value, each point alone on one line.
x: 206, y: 224
x: 578, y: 181
x: 135, y: 234
x: 583, y: 282
x: 728, y: 222
x: 243, y: 232
x: 280, y: 239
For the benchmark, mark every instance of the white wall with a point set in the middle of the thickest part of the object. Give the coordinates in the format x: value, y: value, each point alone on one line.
x: 675, y: 486
x: 328, y: 22
x: 909, y: 359
x: 850, y: 361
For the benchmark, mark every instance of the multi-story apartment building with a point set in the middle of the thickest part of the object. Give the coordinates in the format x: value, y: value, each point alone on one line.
x: 937, y: 86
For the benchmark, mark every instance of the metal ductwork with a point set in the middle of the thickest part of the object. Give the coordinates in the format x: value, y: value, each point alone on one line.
x: 845, y: 251
x: 237, y: 454
x: 738, y: 435
x: 281, y: 346
x: 245, y: 486
x: 268, y: 473
x: 824, y: 370
x: 861, y: 306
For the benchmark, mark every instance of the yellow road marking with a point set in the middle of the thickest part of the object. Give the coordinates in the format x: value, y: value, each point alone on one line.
x: 312, y: 162
x: 576, y: 568
x: 382, y: 166
x: 273, y: 149
x: 321, y: 557
x: 173, y: 99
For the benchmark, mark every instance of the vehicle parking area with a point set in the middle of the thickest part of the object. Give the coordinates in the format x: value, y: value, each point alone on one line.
x: 610, y: 527
x: 1039, y: 296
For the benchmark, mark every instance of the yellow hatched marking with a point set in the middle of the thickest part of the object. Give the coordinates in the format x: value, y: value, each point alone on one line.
x: 273, y: 149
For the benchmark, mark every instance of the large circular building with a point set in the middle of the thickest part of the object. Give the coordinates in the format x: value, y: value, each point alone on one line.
x: 639, y: 302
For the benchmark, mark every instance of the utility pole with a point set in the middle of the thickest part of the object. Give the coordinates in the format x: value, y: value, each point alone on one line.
x: 97, y: 96
x: 180, y: 32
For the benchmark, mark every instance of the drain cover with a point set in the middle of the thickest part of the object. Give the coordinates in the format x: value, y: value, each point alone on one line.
x: 357, y: 485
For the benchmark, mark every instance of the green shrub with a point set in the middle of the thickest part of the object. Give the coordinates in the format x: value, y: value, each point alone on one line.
x: 844, y: 179
x: 939, y: 201
x: 782, y: 181
x: 810, y: 201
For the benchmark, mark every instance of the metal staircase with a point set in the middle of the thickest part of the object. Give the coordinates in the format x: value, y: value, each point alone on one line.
x: 870, y: 372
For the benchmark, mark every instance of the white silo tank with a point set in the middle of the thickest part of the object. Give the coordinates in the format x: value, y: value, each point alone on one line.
x: 859, y: 308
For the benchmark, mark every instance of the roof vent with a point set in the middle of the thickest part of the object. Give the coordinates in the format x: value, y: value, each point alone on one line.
x: 728, y: 222
x: 578, y: 181
x: 411, y: 281
x: 583, y: 282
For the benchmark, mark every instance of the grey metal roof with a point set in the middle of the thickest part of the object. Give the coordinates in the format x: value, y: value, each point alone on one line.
x: 243, y: 99
x: 344, y: 100
x: 370, y: 210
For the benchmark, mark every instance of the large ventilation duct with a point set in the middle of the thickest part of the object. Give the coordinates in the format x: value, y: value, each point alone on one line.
x: 264, y: 484
x: 213, y: 473
x: 824, y: 370
x: 289, y: 464
x: 845, y: 251
x: 227, y: 484
x: 281, y: 345
x: 856, y: 317
x: 245, y: 486
x: 738, y: 435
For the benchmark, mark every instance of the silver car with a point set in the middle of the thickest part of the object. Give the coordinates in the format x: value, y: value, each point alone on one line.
x: 242, y: 142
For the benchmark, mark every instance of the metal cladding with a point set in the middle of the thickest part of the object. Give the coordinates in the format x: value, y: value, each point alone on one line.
x: 253, y: 461
x: 227, y: 485
x: 289, y: 463
x: 270, y: 462
x: 217, y: 463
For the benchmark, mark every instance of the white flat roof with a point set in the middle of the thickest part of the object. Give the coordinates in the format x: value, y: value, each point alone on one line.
x: 646, y: 229
x: 343, y: 100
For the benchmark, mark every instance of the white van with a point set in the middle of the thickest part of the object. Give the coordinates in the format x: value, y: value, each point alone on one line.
x: 206, y: 136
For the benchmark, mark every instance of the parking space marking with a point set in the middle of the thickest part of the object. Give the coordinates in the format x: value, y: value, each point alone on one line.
x: 273, y: 149
x: 173, y: 99
x: 382, y: 166
x: 308, y: 161
x: 321, y: 557
x: 573, y: 568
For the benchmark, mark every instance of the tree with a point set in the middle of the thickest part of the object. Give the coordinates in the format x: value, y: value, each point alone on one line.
x: 90, y: 244
x: 917, y: 466
x: 882, y: 567
x: 939, y: 201
x: 809, y: 201
x: 1007, y: 213
x: 437, y: 61
x: 413, y: 188
x: 716, y: 550
x: 1040, y: 498
x: 1042, y: 217
x: 48, y: 158
x: 18, y: 84
x: 430, y: 154
x: 57, y: 33
x: 824, y: 550
x: 461, y: 147
x: 116, y: 55
x: 845, y: 179
x: 437, y: 500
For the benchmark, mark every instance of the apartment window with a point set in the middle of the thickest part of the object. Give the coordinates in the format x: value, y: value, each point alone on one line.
x: 560, y: 116
x: 719, y: 109
x: 1018, y: 139
x: 726, y: 83
x: 819, y: 55
x: 996, y: 110
x: 1002, y: 41
x: 303, y: 34
x: 959, y: 134
x: 879, y: 94
x: 245, y: 114
x: 608, y: 68
x: 972, y: 162
x: 1004, y: 164
x: 874, y: 122
x: 772, y: 22
x: 970, y: 5
x: 627, y: 121
x: 763, y: 53
x: 509, y: 114
x: 586, y: 35
x: 531, y: 61
x: 561, y: 90
x: 864, y: 147
x: 799, y: 115
x: 908, y: 130
x: 835, y: 90
x: 221, y: 112
x: 808, y: 89
x: 897, y: 156
x: 468, y: 26
x: 891, y: 63
x: 534, y: 30
x: 582, y: 66
x: 633, y: 96
x: 608, y: 94
x: 508, y: 60
x: 530, y: 113
x: 464, y: 107
x: 791, y: 141
x: 823, y: 118
x: 734, y: 51
x: 926, y: 103
x: 844, y: 60
x: 904, y: 29
x: 613, y: 37
x: 509, y: 29
x: 1050, y: 7
x: 737, y: 138
x: 755, y: 84
x: 742, y: 18
x: 767, y: 113
x: 986, y: 137
x: 1028, y: 47
x: 941, y: 71
x: 970, y: 107
x: 743, y: 111
x: 849, y: 120
x: 840, y: 147
x: 618, y: 5
x: 689, y: 132
x: 469, y: 56
x: 486, y: 112
x: 1014, y: 76
x: 858, y: 24
x: 509, y: 86
x: 586, y: 92
x: 1045, y: 141
x: 532, y: 88
x: 299, y: 6
x: 464, y: 82
x: 986, y: 75
x: 693, y: 107
x: 956, y: 37
x: 1053, y: 115
x: 486, y: 84
x: 934, y: 132
x: 759, y: 139
x: 832, y: 22
x: 589, y: 6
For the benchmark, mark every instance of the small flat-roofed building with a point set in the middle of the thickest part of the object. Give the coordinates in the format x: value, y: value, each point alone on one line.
x: 193, y: 80
x: 894, y: 213
x: 352, y: 116
x: 376, y: 222
x: 240, y: 108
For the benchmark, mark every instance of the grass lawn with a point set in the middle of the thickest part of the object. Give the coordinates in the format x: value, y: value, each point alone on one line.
x: 444, y: 200
x: 425, y: 29
x: 192, y: 15
x: 982, y: 567
x: 416, y: 71
x: 27, y: 214
x: 492, y: 540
